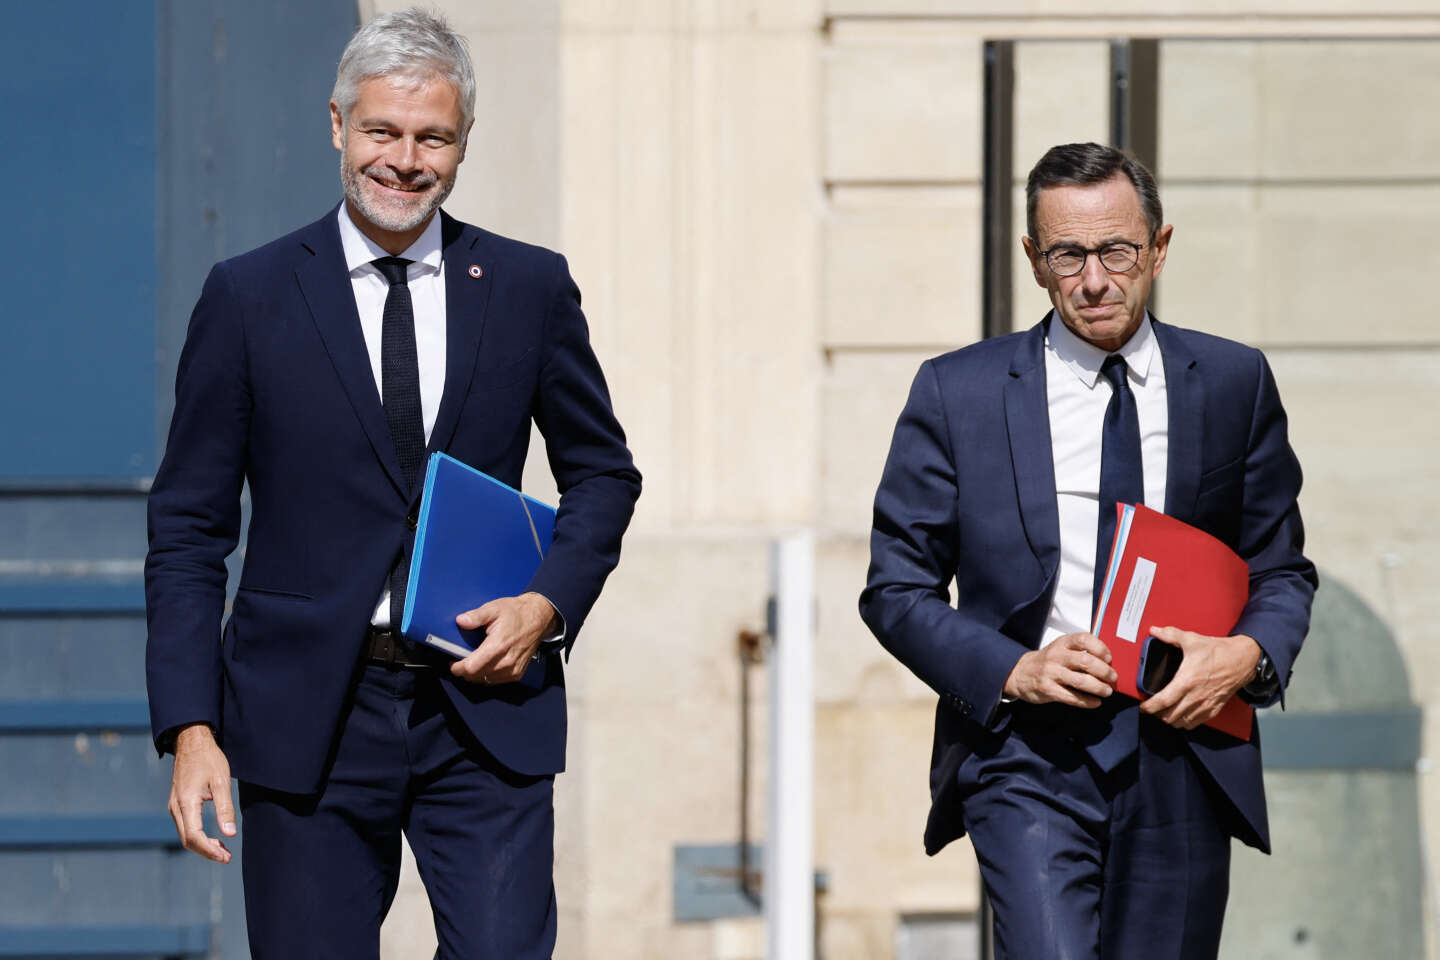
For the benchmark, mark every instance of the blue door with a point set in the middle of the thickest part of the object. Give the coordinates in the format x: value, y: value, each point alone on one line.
x: 146, y: 140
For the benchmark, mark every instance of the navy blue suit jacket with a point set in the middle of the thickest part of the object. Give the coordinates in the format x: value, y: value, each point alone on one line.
x: 968, y: 493
x: 275, y: 389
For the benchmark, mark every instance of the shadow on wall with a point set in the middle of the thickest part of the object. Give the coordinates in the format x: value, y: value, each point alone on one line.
x: 1347, y: 878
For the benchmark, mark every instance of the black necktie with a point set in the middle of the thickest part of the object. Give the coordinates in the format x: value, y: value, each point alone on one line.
x: 400, y: 392
x: 1122, y: 480
x: 1122, y: 476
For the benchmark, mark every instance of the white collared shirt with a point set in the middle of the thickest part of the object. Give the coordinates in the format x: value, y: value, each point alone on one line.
x: 1077, y: 397
x: 426, y: 278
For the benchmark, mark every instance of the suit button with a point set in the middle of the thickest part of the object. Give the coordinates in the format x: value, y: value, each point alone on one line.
x: 411, y: 521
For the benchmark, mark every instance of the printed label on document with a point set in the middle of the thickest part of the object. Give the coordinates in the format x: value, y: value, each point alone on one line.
x: 1135, y: 599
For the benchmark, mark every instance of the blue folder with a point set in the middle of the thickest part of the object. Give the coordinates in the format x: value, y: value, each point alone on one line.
x: 477, y: 539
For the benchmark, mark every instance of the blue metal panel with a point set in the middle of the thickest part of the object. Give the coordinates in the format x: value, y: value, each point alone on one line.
x: 1374, y: 740
x: 706, y: 881
x: 245, y: 153
x: 174, y: 133
x: 72, y: 526
x: 76, y: 655
x: 105, y: 886
x: 245, y: 150
x: 66, y: 716
x: 113, y: 830
x: 84, y: 772
x: 79, y: 246
x: 159, y: 940
x: 72, y: 594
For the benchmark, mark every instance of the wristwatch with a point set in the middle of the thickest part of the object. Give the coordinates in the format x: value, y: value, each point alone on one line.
x: 1265, y: 680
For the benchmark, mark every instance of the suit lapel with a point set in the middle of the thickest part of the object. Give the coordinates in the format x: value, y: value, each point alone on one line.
x: 466, y: 299
x: 1185, y: 407
x: 325, y: 283
x: 1027, y: 420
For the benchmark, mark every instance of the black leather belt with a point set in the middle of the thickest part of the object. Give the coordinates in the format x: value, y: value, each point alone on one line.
x: 386, y: 646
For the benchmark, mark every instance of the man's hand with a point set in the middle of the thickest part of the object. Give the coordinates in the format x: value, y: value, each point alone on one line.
x: 1075, y: 669
x: 201, y: 774
x: 513, y: 629
x: 1214, y: 669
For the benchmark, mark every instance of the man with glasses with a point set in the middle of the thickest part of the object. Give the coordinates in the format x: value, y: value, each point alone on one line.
x: 1102, y: 827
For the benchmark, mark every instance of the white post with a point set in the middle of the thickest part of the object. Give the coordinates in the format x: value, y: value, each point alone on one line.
x: 789, y: 889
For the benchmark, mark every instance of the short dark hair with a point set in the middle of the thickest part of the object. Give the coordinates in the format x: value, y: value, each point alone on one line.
x: 1083, y: 164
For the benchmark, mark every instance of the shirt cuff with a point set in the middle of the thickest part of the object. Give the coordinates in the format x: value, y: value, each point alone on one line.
x: 557, y: 632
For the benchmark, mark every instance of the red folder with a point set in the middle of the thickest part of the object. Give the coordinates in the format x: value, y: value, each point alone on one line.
x: 1164, y: 572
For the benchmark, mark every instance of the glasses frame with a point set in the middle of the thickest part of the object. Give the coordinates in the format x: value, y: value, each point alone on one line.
x: 1087, y: 251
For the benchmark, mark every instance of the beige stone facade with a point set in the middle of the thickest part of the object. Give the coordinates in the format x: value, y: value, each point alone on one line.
x: 772, y: 208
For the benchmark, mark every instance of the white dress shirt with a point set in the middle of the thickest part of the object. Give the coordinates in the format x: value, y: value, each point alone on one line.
x: 1077, y: 397
x: 426, y: 278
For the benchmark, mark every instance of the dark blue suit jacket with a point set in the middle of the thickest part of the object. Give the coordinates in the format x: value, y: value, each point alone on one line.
x: 968, y: 493
x: 275, y: 389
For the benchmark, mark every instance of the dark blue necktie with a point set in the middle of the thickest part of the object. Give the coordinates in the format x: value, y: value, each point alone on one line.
x: 400, y: 393
x: 1122, y: 480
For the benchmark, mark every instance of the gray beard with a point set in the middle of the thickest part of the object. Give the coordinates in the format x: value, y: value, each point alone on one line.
x: 398, y: 218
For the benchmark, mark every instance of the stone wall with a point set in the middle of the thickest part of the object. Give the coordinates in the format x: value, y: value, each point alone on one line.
x: 772, y: 208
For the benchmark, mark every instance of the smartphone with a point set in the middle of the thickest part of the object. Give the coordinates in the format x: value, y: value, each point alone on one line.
x: 1158, y: 662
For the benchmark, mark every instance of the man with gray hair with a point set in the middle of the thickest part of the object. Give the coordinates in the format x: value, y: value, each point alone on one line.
x: 322, y: 369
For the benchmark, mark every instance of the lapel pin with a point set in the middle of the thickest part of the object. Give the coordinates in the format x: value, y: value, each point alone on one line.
x: 475, y: 271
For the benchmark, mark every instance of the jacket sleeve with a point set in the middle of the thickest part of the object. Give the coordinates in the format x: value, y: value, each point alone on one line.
x: 194, y: 515
x: 1272, y: 536
x: 913, y: 554
x: 593, y: 469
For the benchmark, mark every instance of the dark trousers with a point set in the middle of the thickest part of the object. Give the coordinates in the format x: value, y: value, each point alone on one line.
x: 1084, y: 865
x: 321, y: 871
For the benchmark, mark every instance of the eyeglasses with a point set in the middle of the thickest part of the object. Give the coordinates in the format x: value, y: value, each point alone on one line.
x: 1116, y: 257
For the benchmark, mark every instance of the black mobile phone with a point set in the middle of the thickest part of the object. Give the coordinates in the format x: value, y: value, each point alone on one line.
x: 1158, y: 662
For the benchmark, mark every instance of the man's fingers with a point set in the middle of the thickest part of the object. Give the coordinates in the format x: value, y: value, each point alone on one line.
x: 513, y: 625
x: 1083, y: 661
x: 1189, y: 716
x: 481, y: 616
x: 1074, y: 670
x: 469, y: 667
x: 1168, y: 696
x: 1180, y: 706
x: 175, y: 816
x: 192, y: 815
x: 479, y: 664
x: 195, y: 839
x: 1097, y: 647
x: 1084, y: 641
x: 1179, y: 686
x: 1060, y: 693
x: 224, y: 806
x: 1084, y: 683
x: 507, y: 668
x: 1175, y: 636
x: 1179, y: 718
x: 189, y: 808
x: 201, y: 775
